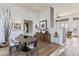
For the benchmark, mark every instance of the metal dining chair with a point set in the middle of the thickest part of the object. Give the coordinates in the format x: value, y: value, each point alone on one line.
x: 33, y: 47
x: 15, y: 45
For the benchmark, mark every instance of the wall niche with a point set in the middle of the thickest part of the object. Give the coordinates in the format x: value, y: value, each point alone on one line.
x: 51, y: 17
x: 28, y: 27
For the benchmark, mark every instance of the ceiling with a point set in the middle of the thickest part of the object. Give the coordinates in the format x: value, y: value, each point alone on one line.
x: 66, y: 8
x: 58, y: 7
x: 34, y: 6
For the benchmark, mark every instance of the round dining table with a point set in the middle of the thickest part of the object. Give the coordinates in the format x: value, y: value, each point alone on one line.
x: 26, y: 40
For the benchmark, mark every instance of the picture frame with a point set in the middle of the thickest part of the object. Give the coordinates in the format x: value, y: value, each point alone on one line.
x: 43, y: 25
x: 17, y: 26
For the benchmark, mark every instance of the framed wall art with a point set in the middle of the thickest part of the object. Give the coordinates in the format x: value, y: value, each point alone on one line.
x: 17, y: 26
x: 43, y: 25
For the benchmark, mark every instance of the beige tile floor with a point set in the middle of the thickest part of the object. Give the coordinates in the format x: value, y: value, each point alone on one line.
x: 71, y: 48
x: 4, y: 51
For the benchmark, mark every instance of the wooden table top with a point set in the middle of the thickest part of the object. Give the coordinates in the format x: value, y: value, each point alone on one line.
x: 27, y: 40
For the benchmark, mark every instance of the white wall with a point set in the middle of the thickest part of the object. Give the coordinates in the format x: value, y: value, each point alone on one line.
x: 45, y: 15
x: 2, y: 38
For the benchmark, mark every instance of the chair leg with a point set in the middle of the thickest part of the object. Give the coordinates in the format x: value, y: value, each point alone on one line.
x: 27, y: 53
x: 37, y: 53
x: 32, y: 52
x: 36, y: 50
x: 19, y: 47
x: 11, y: 50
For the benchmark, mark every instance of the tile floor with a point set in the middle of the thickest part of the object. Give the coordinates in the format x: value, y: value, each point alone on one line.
x: 4, y: 51
x: 71, y: 48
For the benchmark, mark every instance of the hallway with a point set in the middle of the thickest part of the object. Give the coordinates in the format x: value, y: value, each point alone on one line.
x: 71, y: 48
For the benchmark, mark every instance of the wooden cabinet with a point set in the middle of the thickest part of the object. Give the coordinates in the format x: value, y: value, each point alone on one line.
x: 69, y: 34
x: 43, y: 36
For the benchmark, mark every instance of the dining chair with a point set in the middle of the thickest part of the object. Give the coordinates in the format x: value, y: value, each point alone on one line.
x: 13, y: 44
x: 24, y: 49
x: 33, y: 47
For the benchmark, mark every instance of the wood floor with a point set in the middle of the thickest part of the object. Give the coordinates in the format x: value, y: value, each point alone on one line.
x: 44, y: 49
x: 71, y: 48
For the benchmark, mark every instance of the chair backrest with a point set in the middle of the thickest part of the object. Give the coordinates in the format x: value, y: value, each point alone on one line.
x: 34, y: 43
x: 21, y: 34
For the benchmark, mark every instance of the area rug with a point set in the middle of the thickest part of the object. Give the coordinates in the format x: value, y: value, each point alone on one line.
x: 44, y: 49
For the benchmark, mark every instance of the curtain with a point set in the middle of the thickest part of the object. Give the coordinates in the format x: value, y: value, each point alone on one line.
x: 5, y: 23
x: 2, y: 37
